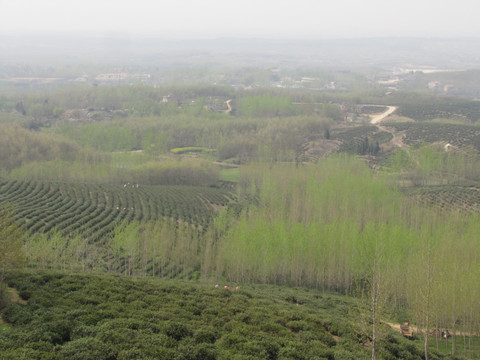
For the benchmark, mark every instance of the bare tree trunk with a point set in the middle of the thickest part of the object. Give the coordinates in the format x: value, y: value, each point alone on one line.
x: 470, y: 332
x: 426, y: 340
x: 374, y: 326
x: 427, y: 319
x: 465, y: 334
x: 153, y: 263
x: 375, y: 289
x: 454, y: 340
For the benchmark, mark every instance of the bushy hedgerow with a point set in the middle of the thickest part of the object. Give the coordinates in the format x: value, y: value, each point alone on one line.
x: 17, y: 314
x: 87, y: 349
x: 396, y: 347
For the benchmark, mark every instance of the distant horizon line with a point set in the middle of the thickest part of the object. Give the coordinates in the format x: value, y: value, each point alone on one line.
x: 132, y: 36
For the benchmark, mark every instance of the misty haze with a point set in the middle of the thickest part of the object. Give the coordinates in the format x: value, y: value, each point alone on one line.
x: 254, y: 180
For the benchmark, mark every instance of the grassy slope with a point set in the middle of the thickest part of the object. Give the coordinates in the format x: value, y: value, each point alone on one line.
x: 121, y: 318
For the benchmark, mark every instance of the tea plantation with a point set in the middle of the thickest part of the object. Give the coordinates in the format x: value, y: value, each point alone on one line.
x: 93, y: 210
x: 84, y: 316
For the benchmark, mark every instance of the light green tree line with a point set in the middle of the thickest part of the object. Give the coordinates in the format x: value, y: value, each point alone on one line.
x: 119, y: 170
x: 430, y: 164
x: 339, y: 226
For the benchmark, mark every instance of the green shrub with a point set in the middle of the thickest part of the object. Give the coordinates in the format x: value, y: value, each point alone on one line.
x: 205, y: 335
x: 268, y: 347
x: 299, y: 351
x: 83, y: 331
x: 342, y: 354
x: 87, y: 349
x: 297, y: 326
x: 17, y: 314
x: 151, y: 353
x: 196, y: 352
x: 57, y: 331
x: 25, y: 353
x: 177, y: 330
x: 43, y: 346
x: 271, y: 327
x: 25, y: 294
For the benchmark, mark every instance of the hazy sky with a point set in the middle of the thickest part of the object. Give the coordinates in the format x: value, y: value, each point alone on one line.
x: 244, y: 18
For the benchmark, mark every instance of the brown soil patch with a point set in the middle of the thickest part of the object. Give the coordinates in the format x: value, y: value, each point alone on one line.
x: 397, y: 327
x: 12, y: 296
x: 421, y: 331
x: 376, y: 118
x: 321, y: 148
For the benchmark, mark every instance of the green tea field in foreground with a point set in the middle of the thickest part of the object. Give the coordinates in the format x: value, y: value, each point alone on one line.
x: 84, y: 316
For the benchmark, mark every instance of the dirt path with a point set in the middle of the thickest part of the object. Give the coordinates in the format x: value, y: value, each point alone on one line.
x: 14, y: 297
x: 397, y: 327
x: 228, y: 165
x: 397, y: 136
x: 228, y: 106
x: 416, y: 330
x: 377, y: 118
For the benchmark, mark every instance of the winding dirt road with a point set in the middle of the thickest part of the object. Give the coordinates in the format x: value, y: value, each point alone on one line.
x: 229, y: 107
x: 377, y: 118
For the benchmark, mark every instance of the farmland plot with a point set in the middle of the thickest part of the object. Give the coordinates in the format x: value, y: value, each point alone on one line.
x: 455, y: 134
x: 93, y: 210
x: 462, y: 198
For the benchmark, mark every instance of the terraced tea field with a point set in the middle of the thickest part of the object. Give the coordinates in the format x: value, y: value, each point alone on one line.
x: 455, y: 134
x: 462, y: 198
x: 451, y: 108
x: 94, y: 210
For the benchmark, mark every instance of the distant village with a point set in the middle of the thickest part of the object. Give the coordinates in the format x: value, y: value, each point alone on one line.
x: 274, y: 77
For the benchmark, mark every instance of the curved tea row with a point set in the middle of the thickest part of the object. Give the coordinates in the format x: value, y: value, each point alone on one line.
x: 94, y: 210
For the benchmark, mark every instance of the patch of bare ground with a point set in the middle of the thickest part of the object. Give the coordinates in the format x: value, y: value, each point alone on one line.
x: 384, y: 118
x: 229, y: 107
x: 321, y: 148
x: 417, y: 330
x: 13, y: 296
x: 393, y: 326
x: 224, y: 164
x: 376, y: 118
x: 397, y: 140
x: 406, y: 329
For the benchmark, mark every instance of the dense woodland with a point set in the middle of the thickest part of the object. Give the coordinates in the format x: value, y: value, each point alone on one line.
x: 208, y: 185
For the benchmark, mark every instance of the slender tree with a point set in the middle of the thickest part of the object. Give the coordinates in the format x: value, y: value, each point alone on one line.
x: 11, y: 235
